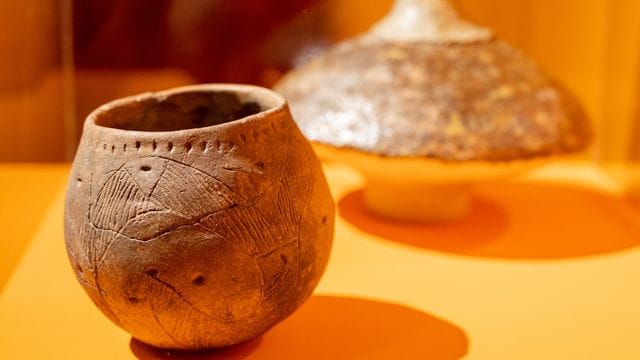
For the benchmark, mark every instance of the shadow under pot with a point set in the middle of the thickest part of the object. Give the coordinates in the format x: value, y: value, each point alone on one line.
x: 197, y: 217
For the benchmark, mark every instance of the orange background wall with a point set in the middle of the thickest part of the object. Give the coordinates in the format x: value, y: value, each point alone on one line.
x: 593, y: 46
x: 33, y: 90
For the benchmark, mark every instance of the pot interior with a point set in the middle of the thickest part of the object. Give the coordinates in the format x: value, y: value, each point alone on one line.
x: 182, y: 110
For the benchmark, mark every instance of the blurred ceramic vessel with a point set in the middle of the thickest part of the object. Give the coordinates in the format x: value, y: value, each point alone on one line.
x: 426, y: 104
x: 197, y: 217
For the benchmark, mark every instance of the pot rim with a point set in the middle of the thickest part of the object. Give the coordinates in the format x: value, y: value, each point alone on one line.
x: 270, y: 99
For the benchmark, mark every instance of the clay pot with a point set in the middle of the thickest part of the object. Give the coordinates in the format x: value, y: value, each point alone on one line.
x: 197, y: 217
x: 426, y: 104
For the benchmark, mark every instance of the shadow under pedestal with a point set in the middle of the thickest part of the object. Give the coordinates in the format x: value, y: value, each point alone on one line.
x: 516, y: 221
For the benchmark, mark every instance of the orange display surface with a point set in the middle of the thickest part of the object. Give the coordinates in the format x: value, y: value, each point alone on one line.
x: 544, y: 267
x: 26, y: 192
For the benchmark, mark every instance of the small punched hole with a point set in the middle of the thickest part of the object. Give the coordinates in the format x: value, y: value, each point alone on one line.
x: 138, y: 145
x: 153, y: 273
x: 324, y: 219
x: 260, y: 166
x: 145, y: 168
x: 188, y: 147
x: 198, y: 280
x: 134, y: 300
x: 170, y: 146
x: 284, y: 258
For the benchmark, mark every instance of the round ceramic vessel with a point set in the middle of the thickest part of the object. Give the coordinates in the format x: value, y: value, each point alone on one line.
x: 426, y: 104
x: 197, y: 217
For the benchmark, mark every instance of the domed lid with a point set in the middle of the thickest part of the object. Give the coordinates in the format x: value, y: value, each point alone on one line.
x: 424, y: 83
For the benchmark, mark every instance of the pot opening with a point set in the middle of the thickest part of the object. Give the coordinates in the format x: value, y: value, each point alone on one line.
x: 183, y: 110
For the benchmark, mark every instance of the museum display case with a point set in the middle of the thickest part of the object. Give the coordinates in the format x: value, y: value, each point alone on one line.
x: 162, y: 199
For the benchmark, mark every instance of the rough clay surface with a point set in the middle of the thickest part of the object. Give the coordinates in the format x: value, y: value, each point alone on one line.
x: 454, y: 102
x: 197, y: 238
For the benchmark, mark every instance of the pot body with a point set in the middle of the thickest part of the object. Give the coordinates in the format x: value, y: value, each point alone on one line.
x: 198, y: 237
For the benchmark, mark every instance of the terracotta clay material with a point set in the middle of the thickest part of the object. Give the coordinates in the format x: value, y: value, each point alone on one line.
x: 424, y: 85
x: 197, y: 217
